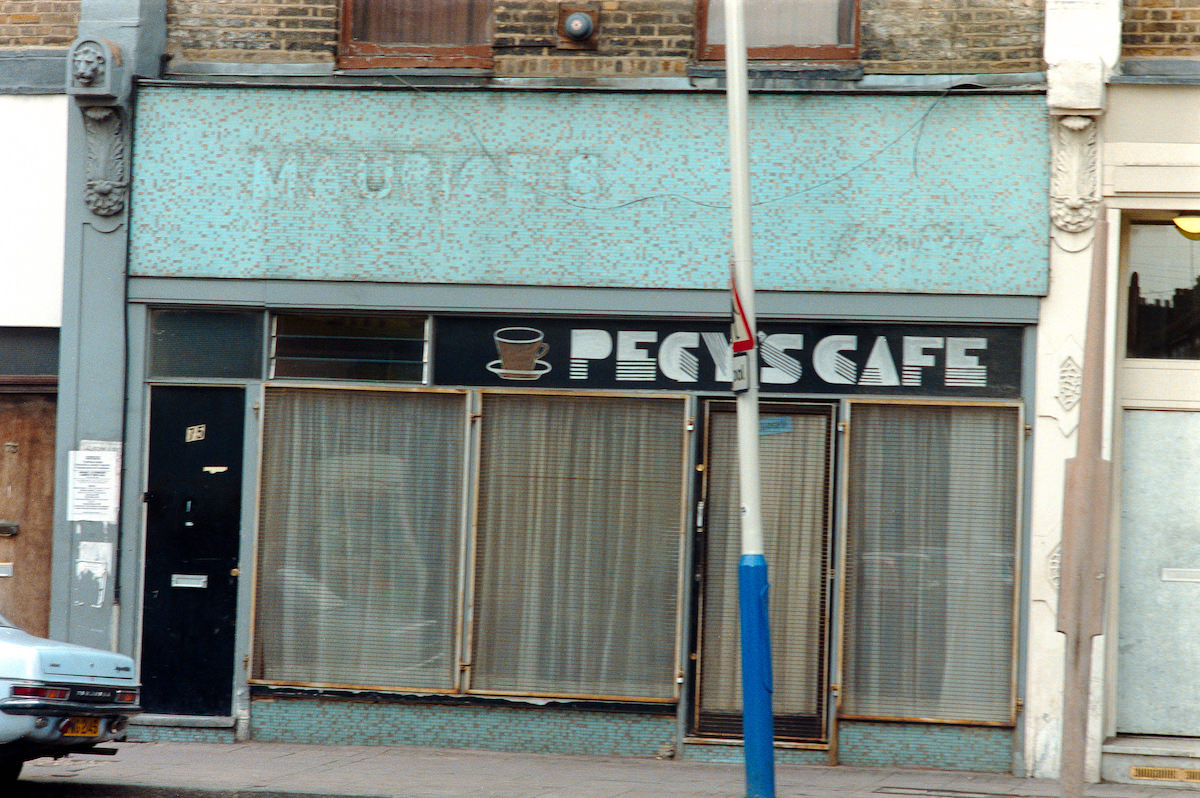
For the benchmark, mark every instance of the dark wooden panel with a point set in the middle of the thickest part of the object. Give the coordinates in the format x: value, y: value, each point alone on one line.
x: 26, y: 508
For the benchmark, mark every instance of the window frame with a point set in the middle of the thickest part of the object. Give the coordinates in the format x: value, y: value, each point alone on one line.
x: 824, y: 52
x: 358, y: 54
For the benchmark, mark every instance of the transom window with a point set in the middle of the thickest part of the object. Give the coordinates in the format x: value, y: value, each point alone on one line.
x: 780, y: 30
x: 1164, y: 293
x: 415, y: 33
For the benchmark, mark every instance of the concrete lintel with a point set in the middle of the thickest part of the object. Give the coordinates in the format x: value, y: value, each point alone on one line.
x: 444, y: 298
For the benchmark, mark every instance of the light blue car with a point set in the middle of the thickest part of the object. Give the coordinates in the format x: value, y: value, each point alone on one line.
x: 59, y: 698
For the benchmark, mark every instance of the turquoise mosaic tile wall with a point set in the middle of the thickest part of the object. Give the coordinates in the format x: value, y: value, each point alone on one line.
x: 502, y: 728
x: 930, y: 193
x: 550, y: 729
x: 926, y: 745
x: 179, y: 734
x: 735, y: 755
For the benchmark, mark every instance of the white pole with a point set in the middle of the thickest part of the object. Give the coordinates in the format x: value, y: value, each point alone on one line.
x: 757, y: 715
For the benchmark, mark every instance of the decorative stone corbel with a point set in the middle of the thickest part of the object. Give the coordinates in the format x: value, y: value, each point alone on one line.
x: 106, y: 184
x: 97, y: 80
x: 1074, y: 183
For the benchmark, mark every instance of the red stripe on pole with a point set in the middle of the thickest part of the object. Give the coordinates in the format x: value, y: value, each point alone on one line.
x: 743, y: 333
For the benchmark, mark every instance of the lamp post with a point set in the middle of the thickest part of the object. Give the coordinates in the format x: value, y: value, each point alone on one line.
x: 757, y: 716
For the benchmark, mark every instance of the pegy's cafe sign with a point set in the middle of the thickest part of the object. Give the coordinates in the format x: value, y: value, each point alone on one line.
x: 794, y: 357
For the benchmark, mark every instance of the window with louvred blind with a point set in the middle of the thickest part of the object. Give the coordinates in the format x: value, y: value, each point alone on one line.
x: 931, y: 562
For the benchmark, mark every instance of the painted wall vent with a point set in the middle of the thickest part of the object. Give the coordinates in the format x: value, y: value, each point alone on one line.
x: 1164, y: 774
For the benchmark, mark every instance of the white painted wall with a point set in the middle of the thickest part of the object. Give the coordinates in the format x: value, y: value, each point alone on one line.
x: 33, y: 160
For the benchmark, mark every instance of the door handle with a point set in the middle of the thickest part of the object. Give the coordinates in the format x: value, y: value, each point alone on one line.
x: 9, y: 529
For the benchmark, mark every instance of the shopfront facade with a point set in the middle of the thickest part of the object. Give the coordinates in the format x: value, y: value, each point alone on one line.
x: 430, y: 435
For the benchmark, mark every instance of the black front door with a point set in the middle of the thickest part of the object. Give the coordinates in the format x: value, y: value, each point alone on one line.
x: 193, y: 513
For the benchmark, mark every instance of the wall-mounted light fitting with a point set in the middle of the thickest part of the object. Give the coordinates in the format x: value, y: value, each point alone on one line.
x: 577, y: 26
x: 1188, y: 226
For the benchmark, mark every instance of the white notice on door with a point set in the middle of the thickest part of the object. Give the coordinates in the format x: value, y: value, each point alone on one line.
x: 93, y: 487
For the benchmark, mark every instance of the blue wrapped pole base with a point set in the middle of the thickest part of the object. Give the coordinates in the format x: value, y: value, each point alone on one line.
x: 758, y: 723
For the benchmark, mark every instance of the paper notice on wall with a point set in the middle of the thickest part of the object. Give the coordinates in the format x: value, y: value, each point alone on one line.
x: 93, y: 564
x: 94, y: 487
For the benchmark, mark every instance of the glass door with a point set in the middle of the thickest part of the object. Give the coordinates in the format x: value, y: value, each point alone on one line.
x: 796, y: 463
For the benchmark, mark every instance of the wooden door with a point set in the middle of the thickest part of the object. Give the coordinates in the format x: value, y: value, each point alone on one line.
x: 26, y: 508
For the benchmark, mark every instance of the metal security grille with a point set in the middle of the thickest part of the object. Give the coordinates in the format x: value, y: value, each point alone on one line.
x: 358, y: 560
x: 930, y: 562
x: 795, y: 462
x: 577, y: 561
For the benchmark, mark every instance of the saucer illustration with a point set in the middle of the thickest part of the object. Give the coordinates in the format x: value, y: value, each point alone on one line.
x: 540, y: 367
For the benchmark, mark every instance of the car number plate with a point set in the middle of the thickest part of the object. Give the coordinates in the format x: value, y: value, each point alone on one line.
x: 83, y: 727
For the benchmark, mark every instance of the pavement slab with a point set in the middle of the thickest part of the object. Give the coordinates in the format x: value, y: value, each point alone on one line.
x: 280, y: 770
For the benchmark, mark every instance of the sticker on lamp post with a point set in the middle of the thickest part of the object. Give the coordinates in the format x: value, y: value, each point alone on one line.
x: 742, y: 377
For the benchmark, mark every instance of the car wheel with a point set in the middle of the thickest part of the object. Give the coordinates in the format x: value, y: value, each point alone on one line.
x: 10, y: 770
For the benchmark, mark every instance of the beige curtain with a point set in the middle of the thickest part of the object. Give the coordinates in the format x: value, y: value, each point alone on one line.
x: 931, y: 526
x: 578, y: 541
x: 359, y: 538
x: 794, y: 462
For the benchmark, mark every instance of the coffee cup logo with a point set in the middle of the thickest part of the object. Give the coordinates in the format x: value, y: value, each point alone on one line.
x: 520, y: 350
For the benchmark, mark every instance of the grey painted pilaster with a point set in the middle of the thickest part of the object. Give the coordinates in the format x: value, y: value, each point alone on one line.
x: 118, y: 40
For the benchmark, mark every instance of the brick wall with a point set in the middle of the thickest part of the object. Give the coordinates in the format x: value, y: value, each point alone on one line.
x: 263, y: 31
x: 38, y: 24
x: 952, y: 36
x: 1161, y: 29
x: 633, y: 38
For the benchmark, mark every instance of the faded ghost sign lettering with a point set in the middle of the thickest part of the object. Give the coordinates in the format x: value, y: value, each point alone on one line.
x: 793, y: 357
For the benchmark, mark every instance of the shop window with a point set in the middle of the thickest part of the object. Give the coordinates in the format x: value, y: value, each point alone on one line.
x: 578, y: 546
x: 371, y: 348
x: 202, y: 343
x: 415, y: 33
x: 781, y: 30
x: 358, y: 556
x: 1164, y: 293
x: 576, y: 563
x: 930, y: 548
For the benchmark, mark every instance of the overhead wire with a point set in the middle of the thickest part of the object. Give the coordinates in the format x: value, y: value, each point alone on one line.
x: 918, y: 124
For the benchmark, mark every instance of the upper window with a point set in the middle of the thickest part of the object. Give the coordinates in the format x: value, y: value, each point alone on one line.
x: 401, y: 34
x: 814, y: 30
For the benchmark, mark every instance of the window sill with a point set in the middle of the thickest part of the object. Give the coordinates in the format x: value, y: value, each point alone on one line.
x: 1159, y: 71
x: 259, y: 690
x: 779, y: 74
